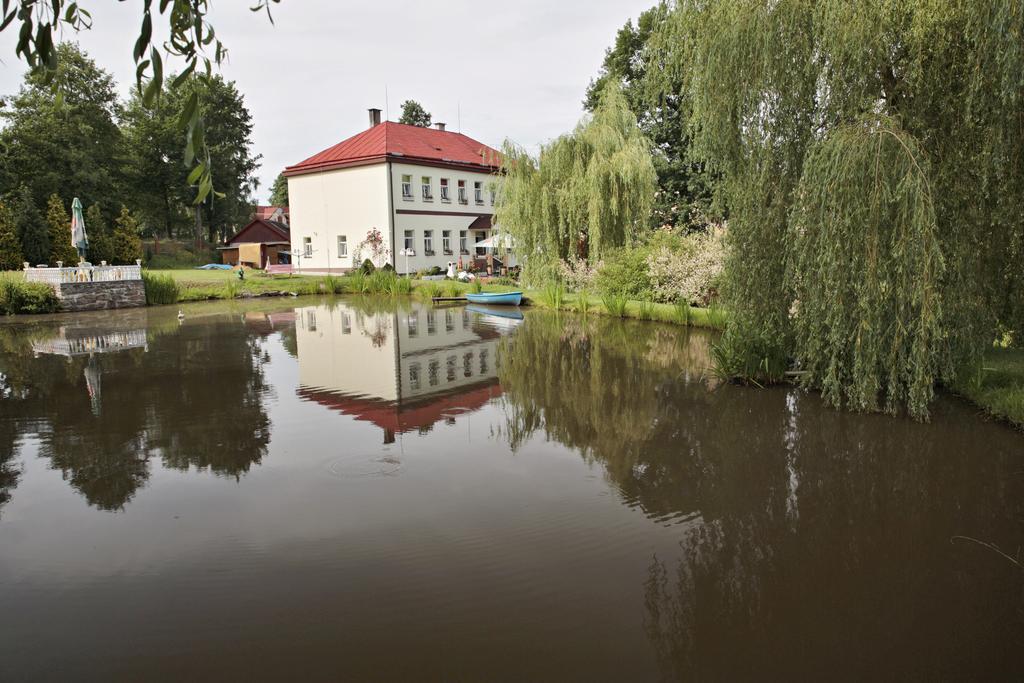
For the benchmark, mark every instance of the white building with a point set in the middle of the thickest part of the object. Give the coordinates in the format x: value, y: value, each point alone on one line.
x: 427, y: 191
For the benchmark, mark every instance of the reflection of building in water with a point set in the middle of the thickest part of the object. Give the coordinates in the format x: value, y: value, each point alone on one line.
x: 402, y: 371
x: 72, y: 343
x: 79, y: 344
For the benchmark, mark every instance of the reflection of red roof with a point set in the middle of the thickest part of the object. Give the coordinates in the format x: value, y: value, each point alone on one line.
x: 405, y: 417
x: 401, y: 142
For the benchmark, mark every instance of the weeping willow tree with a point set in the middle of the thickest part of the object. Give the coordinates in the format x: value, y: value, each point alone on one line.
x: 872, y: 157
x: 589, y: 191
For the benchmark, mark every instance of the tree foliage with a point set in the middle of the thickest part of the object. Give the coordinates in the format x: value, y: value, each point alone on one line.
x: 413, y: 114
x: 58, y: 222
x: 638, y: 63
x: 870, y: 176
x: 32, y: 229
x: 10, y: 245
x: 71, y: 146
x: 588, y: 192
x: 127, y: 247
x: 191, y: 39
x: 279, y: 191
x: 101, y: 242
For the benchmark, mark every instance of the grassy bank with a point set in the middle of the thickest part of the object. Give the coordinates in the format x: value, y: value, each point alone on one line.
x: 591, y: 304
x: 999, y: 388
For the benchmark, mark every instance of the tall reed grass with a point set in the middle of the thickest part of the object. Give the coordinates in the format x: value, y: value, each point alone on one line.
x: 614, y: 303
x: 646, y: 310
x: 160, y: 289
x: 553, y: 295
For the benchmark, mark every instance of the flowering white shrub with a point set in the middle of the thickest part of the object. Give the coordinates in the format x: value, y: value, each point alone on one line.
x: 687, y: 269
x: 576, y: 274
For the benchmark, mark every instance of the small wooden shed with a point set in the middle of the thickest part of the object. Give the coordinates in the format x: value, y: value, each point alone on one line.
x: 259, y: 244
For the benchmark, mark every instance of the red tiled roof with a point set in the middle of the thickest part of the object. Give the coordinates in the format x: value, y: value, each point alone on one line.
x: 400, y: 141
x: 259, y: 230
x: 406, y: 417
x: 266, y: 212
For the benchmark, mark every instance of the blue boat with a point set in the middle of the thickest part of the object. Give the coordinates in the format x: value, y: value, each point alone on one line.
x: 496, y: 299
x: 498, y: 311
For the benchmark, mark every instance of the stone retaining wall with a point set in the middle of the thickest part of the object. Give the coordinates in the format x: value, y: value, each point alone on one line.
x: 96, y: 296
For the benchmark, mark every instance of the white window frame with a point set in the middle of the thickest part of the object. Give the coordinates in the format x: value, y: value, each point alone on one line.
x: 342, y: 246
x: 409, y: 239
x: 478, y: 192
x: 307, y: 247
x: 494, y: 193
x: 462, y: 192
x: 464, y: 242
x: 445, y: 196
x: 428, y: 242
x: 427, y: 185
x: 407, y: 186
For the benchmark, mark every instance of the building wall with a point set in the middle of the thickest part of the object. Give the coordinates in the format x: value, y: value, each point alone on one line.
x: 436, y: 214
x: 96, y: 296
x: 346, y: 201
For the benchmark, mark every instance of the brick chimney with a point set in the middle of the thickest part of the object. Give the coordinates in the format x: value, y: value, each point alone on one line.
x: 439, y: 125
x: 374, y: 117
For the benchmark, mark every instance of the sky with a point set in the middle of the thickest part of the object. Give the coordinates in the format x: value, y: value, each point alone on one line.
x: 515, y: 70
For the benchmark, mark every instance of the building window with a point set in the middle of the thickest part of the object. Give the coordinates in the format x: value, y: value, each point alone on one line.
x: 311, y: 320
x: 433, y: 370
x: 406, y: 187
x: 412, y: 323
x: 467, y: 364
x: 428, y: 188
x: 478, y: 192
x: 414, y: 376
x: 483, y: 361
x: 463, y: 239
x: 408, y: 239
x: 346, y: 323
x: 493, y: 195
x: 480, y: 237
x: 462, y: 192
x: 444, y: 190
x: 431, y: 322
x: 342, y: 246
x: 307, y: 247
x: 428, y: 242
x: 446, y: 241
x: 449, y: 321
x: 450, y: 367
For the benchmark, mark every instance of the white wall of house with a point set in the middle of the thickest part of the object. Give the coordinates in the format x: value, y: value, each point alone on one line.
x: 350, y: 201
x: 346, y: 202
x: 456, y: 215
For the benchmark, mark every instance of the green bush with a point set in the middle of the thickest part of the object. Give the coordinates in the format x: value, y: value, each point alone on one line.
x: 388, y: 268
x: 160, y: 289
x: 625, y: 273
x: 367, y: 268
x: 436, y: 270
x: 27, y: 297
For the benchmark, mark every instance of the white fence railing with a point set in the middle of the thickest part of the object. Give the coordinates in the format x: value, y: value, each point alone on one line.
x: 83, y: 273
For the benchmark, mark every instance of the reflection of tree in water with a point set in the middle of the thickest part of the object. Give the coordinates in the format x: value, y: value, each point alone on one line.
x: 195, y: 400
x: 9, y: 473
x: 809, y: 537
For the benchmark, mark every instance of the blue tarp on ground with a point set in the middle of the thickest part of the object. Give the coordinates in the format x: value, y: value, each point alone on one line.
x: 214, y: 266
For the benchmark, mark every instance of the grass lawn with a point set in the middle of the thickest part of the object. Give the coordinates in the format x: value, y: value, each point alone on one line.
x: 199, y: 285
x: 1000, y: 389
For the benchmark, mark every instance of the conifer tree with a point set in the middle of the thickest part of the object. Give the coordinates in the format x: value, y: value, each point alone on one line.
x: 10, y: 247
x: 31, y: 228
x: 59, y: 223
x: 126, y: 241
x: 101, y: 243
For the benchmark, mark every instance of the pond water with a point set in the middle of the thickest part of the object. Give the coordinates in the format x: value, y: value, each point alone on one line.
x: 337, y: 489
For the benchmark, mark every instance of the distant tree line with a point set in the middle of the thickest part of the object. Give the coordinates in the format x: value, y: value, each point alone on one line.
x: 123, y: 160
